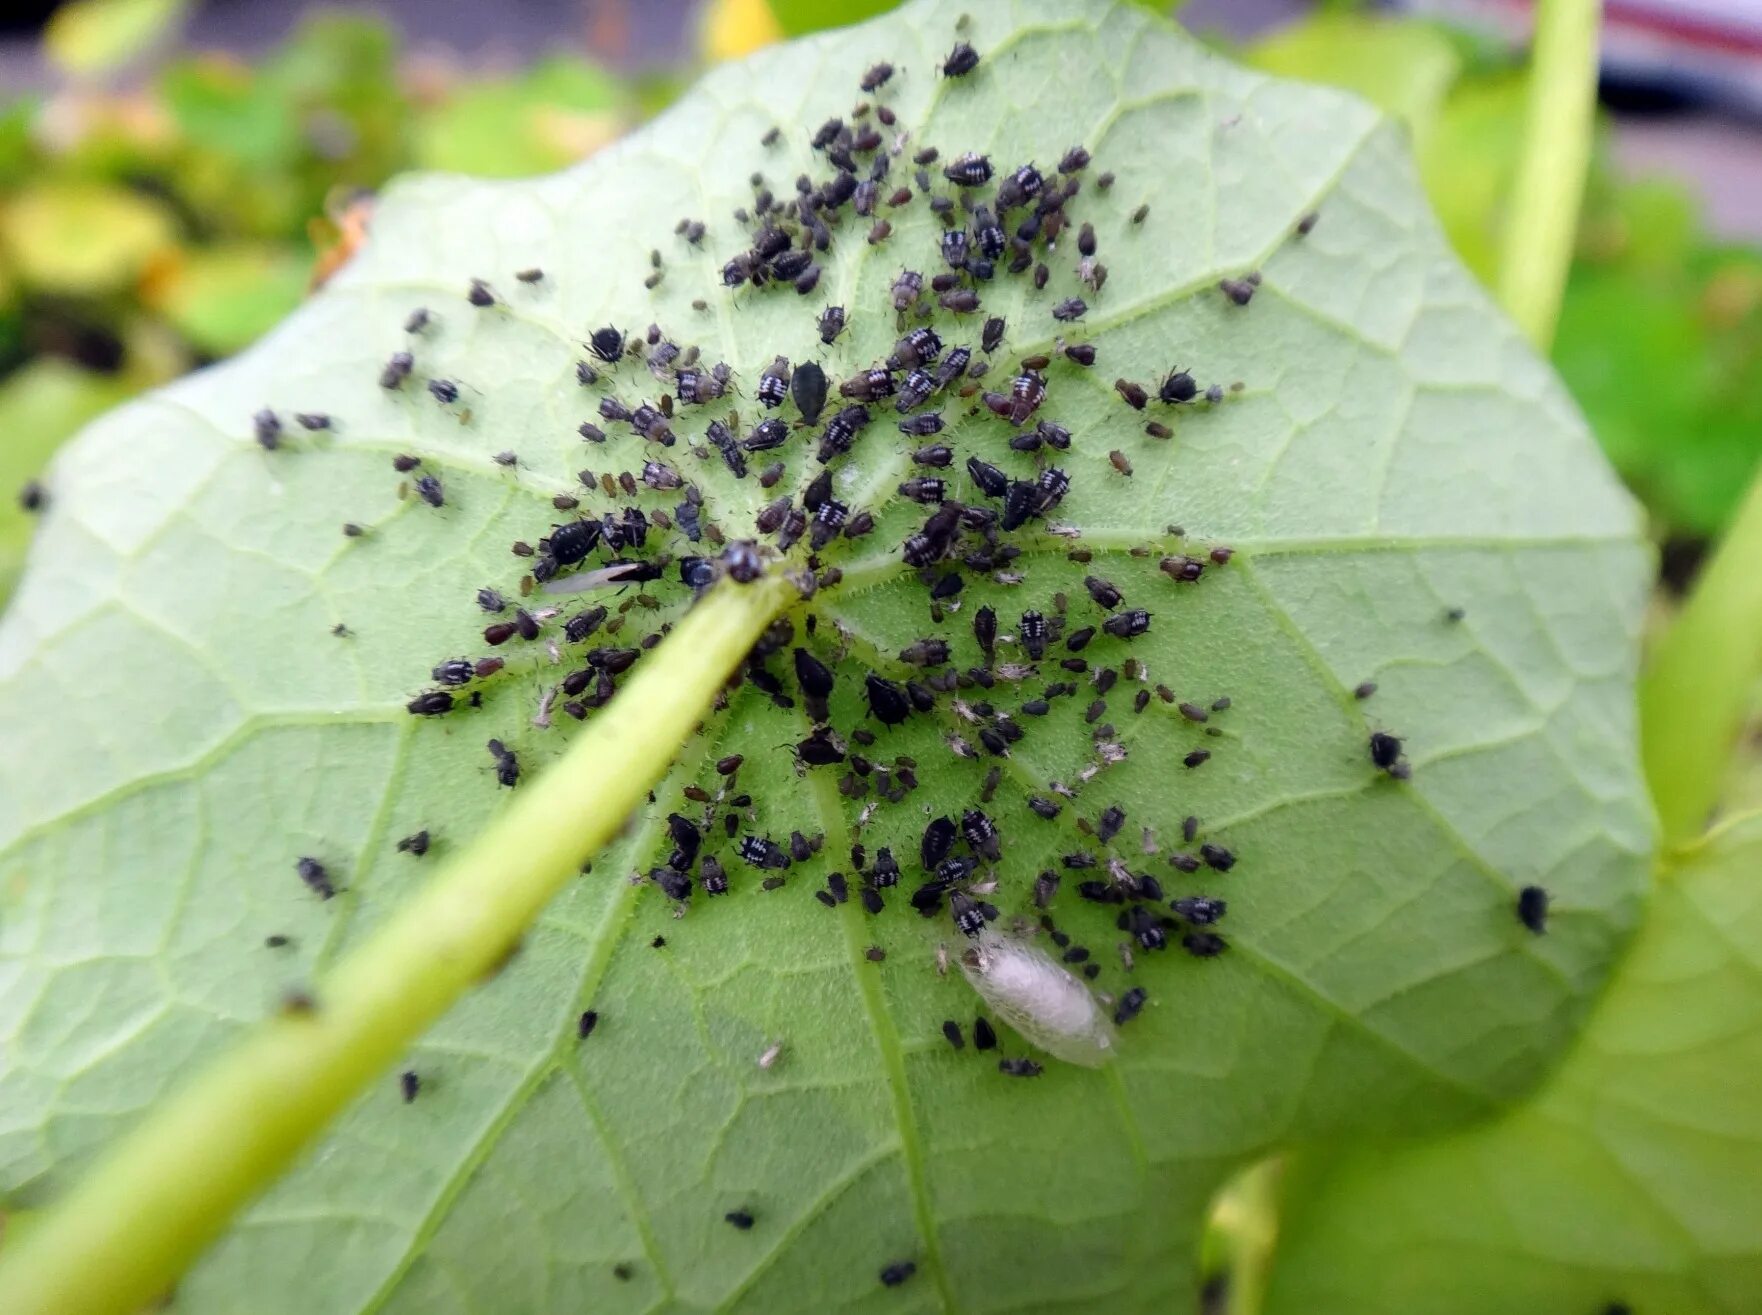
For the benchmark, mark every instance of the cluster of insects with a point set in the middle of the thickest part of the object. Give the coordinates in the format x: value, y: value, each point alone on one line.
x: 597, y: 586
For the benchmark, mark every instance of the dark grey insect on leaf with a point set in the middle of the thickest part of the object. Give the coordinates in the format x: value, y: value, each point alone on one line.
x: 1177, y: 386
x: 980, y: 833
x: 937, y: 841
x: 924, y: 489
x: 415, y: 845
x: 1239, y: 291
x: 397, y: 369
x: 1204, y: 944
x: 907, y: 288
x: 1127, y: 625
x: 877, y: 76
x: 984, y: 1035
x: 1385, y: 753
x: 607, y: 344
x: 807, y: 387
x: 968, y: 170
x: 1532, y: 908
x: 762, y: 852
x: 831, y: 323
x: 430, y: 490
x: 1071, y: 308
x: 962, y: 60
x: 992, y: 482
x: 507, y: 763
x: 1199, y: 910
x: 766, y: 435
x: 317, y: 879
x: 896, y: 1272
x: 841, y: 431
x: 1217, y: 857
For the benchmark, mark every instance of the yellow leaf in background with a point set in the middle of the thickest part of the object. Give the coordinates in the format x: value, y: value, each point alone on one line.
x: 83, y: 239
x: 89, y: 37
x: 575, y: 134
x: 733, y: 28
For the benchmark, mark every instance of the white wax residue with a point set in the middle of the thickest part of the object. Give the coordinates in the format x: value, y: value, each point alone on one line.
x: 1045, y: 1004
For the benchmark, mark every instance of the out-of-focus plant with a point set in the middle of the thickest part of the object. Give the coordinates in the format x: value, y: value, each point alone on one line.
x: 146, y: 232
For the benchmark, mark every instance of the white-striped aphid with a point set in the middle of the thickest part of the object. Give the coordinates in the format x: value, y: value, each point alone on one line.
x: 1045, y: 1004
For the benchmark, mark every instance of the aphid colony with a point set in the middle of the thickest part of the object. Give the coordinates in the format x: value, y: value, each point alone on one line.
x: 595, y: 586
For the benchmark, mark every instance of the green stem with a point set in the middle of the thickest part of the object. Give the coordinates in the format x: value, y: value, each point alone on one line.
x: 1241, y: 1232
x: 1697, y: 684
x: 150, y: 1206
x: 1543, y: 220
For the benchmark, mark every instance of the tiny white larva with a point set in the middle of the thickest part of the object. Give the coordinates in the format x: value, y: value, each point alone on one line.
x: 1047, y: 1006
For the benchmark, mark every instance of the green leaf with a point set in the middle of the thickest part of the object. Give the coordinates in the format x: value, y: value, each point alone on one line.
x: 40, y: 406
x: 221, y: 298
x: 555, y: 112
x: 1632, y: 1176
x: 1395, y: 451
x: 99, y: 36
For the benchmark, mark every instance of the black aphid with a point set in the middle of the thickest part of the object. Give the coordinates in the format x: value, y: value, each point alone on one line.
x: 1177, y: 386
x: 711, y: 874
x: 1127, y: 625
x: 409, y: 1083
x: 741, y: 1219
x: 444, y: 391
x: 1019, y: 1068
x: 313, y: 873
x: 1108, y: 825
x: 831, y: 323
x: 429, y: 488
x: 937, y: 841
x: 507, y: 763
x: 480, y: 294
x: 907, y: 288
x: 841, y: 431
x: 877, y: 76
x: 1385, y: 752
x: 1204, y: 944
x: 1132, y: 394
x: 1532, y: 908
x: 415, y: 845
x: 607, y: 344
x: 984, y: 1036
x: 952, y: 1030
x: 807, y: 386
x: 432, y: 703
x: 981, y: 834
x: 1199, y: 910
x: 584, y: 1026
x: 969, y: 170
x: 417, y: 320
x: 762, y: 852
x: 266, y: 425
x: 1217, y: 857
x: 896, y: 1272
x: 1071, y: 308
x: 766, y: 435
x: 1033, y: 634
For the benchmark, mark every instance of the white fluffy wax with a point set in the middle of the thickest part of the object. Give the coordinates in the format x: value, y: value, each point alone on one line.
x: 1045, y: 1004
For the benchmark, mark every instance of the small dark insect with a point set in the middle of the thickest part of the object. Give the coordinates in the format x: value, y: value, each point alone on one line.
x: 1199, y: 910
x: 741, y: 1219
x: 409, y: 1083
x: 768, y: 434
x: 762, y: 852
x: 480, y: 294
x: 938, y: 839
x: 715, y: 880
x: 1127, y: 625
x: 266, y: 425
x: 1239, y: 291
x: 1141, y: 213
x: 621, y: 1271
x: 984, y: 1037
x: 1217, y: 857
x: 1103, y: 591
x: 896, y: 1272
x: 907, y: 288
x: 877, y: 76
x: 607, y: 344
x: 924, y: 489
x: 1306, y: 223
x: 429, y: 488
x: 969, y: 170
x: 313, y: 873
x: 1071, y: 308
x: 1177, y: 386
x: 962, y: 60
x: 1385, y: 752
x: 1204, y: 944
x: 808, y: 389
x: 1532, y: 908
x: 529, y: 275
x: 1156, y: 429
x: 886, y: 870
x: 32, y: 496
x: 585, y: 1025
x: 414, y: 845
x: 507, y: 763
x: 1033, y: 634
x: 433, y: 703
x: 992, y: 336
x: 831, y: 323
x: 952, y: 1030
x: 1019, y: 1068
x: 1196, y: 758
x: 981, y: 833
x: 417, y: 320
x: 1132, y: 394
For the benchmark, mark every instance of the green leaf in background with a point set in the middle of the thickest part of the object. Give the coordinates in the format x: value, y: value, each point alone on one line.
x: 223, y: 298
x: 1395, y: 452
x: 1401, y: 66
x: 550, y: 115
x: 40, y: 406
x: 90, y: 37
x: 82, y: 239
x: 1633, y: 1177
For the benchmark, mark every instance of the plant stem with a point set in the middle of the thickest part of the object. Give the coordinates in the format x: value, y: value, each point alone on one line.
x: 1697, y: 683
x: 1241, y: 1232
x: 150, y: 1206
x: 1543, y: 220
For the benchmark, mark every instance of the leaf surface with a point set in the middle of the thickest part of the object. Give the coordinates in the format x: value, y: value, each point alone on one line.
x: 1632, y: 1176
x: 1394, y: 452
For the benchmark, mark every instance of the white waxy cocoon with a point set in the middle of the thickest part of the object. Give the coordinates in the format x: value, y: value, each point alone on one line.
x: 1050, y: 1008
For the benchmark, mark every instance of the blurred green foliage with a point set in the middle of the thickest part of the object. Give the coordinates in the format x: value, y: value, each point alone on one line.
x: 145, y: 232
